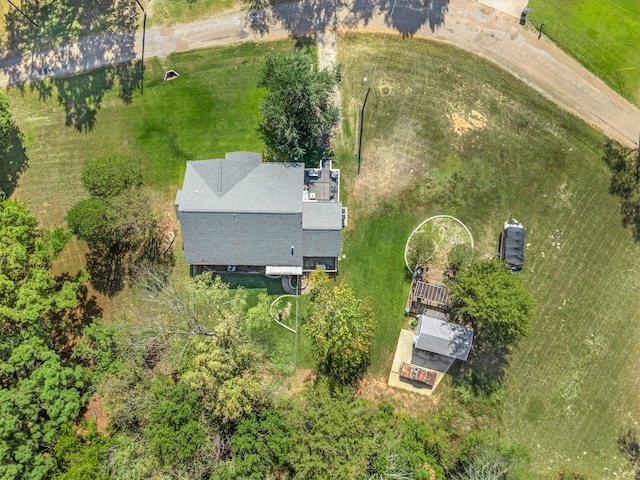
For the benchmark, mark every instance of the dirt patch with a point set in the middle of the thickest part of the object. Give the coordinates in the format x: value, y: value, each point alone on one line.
x: 93, y: 411
x: 389, y: 165
x: 377, y: 389
x: 465, y: 121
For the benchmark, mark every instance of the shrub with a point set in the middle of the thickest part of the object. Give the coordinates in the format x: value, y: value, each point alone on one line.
x: 109, y: 176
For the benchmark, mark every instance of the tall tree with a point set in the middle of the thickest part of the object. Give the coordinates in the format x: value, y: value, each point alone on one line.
x: 192, y: 334
x: 39, y: 392
x: 29, y: 294
x: 38, y: 395
x: 297, y: 113
x: 174, y: 431
x: 341, y: 327
x: 125, y: 221
x: 494, y: 301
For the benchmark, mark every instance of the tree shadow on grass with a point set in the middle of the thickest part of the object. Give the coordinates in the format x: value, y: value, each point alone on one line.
x: 95, y: 36
x: 14, y: 162
x: 484, y: 369
x: 107, y: 269
x: 404, y: 16
x: 624, y: 165
x: 111, y: 269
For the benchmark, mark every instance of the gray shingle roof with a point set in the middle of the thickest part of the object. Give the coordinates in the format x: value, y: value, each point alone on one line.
x: 322, y: 215
x: 322, y: 243
x: 241, y: 183
x: 240, y: 211
x: 436, y: 335
x: 242, y: 238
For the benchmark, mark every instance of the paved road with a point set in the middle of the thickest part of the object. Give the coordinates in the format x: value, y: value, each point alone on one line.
x: 465, y: 23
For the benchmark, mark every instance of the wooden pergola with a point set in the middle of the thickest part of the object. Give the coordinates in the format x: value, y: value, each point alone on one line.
x: 427, y: 295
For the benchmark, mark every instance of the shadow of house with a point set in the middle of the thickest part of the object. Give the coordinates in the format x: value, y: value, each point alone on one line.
x: 242, y: 215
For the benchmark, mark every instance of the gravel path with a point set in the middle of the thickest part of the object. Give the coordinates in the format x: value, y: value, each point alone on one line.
x: 466, y: 23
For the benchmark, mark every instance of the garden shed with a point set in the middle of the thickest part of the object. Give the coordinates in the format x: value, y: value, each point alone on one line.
x: 434, y: 334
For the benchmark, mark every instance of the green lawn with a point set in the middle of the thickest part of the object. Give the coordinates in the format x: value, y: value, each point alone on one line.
x: 463, y: 137
x: 168, y: 12
x: 603, y: 35
x: 210, y: 110
x: 440, y: 136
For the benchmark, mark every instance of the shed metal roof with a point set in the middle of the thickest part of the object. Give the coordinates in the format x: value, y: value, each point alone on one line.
x: 436, y: 335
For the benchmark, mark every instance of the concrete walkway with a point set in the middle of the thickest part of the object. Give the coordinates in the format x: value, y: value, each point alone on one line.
x: 490, y: 33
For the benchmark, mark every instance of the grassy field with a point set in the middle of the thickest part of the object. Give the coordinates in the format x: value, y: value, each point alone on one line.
x: 168, y: 12
x: 434, y: 142
x: 603, y: 35
x: 467, y: 139
x: 209, y: 110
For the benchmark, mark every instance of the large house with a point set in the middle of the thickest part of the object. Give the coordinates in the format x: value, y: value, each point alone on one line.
x: 243, y: 214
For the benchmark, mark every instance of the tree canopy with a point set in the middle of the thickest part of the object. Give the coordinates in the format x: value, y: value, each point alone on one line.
x: 39, y: 391
x: 494, y: 301
x: 38, y: 395
x: 109, y: 176
x: 118, y: 223
x: 624, y: 164
x: 341, y: 327
x: 297, y: 113
x: 29, y: 294
x: 124, y: 221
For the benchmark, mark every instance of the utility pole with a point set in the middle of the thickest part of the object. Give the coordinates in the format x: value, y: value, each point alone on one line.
x: 364, y: 104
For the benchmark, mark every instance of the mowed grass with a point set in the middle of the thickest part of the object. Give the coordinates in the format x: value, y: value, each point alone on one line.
x: 211, y: 109
x: 446, y: 132
x: 169, y: 12
x: 603, y: 35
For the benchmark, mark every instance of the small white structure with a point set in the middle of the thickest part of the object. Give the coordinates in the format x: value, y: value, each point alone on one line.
x: 170, y: 75
x: 434, y: 334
